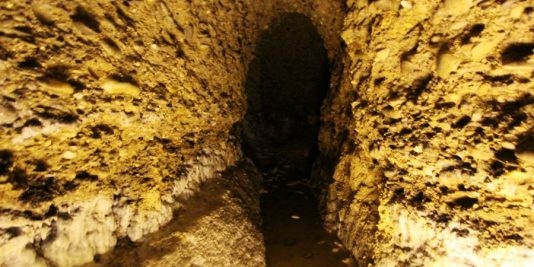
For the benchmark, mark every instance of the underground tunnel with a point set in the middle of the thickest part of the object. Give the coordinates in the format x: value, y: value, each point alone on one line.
x: 266, y: 133
x: 286, y: 84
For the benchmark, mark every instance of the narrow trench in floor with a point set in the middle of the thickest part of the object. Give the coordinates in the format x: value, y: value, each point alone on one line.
x: 285, y: 87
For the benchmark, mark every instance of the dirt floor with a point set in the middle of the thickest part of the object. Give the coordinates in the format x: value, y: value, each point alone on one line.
x: 293, y: 231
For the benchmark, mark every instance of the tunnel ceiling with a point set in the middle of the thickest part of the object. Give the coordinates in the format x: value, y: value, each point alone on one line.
x: 292, y: 68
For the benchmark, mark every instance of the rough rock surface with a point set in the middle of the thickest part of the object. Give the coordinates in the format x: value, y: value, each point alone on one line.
x: 216, y: 224
x: 112, y: 114
x: 433, y: 123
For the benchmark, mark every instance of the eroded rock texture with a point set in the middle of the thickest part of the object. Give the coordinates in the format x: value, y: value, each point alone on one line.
x: 218, y: 226
x: 112, y: 114
x: 434, y: 116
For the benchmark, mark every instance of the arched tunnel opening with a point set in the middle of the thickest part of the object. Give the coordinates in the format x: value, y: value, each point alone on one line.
x: 286, y: 84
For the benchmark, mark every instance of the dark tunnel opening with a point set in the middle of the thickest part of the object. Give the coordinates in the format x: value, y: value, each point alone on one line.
x: 285, y: 87
x: 286, y: 84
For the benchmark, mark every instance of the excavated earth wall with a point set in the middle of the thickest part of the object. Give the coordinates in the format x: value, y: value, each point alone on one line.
x: 113, y: 112
x: 434, y: 127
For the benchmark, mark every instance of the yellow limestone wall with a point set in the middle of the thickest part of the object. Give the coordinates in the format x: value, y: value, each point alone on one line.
x: 112, y: 113
x: 434, y: 124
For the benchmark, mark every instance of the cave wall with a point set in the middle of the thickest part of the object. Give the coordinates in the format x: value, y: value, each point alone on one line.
x: 433, y: 127
x: 113, y: 113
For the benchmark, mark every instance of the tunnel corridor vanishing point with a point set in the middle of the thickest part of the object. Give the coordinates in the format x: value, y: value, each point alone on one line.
x: 286, y: 84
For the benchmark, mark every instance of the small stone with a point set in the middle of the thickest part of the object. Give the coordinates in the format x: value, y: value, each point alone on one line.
x: 435, y: 39
x: 7, y: 115
x: 57, y: 87
x: 69, y: 155
x: 508, y: 145
x: 406, y: 4
x: 348, y: 261
x: 114, y: 87
x: 389, y: 174
x: 477, y: 116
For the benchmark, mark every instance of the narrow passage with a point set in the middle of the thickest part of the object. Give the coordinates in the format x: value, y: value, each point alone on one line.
x: 286, y: 84
x: 293, y: 231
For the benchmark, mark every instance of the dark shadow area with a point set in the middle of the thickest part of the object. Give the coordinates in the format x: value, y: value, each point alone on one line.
x: 286, y: 85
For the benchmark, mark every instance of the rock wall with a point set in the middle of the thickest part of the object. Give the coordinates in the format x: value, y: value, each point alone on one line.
x: 113, y: 113
x: 218, y: 226
x: 433, y: 124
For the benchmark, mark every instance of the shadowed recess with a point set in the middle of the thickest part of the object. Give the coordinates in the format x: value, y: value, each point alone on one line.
x: 285, y: 87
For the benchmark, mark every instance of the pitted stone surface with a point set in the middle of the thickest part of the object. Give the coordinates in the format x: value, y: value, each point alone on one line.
x: 113, y: 113
x: 433, y: 122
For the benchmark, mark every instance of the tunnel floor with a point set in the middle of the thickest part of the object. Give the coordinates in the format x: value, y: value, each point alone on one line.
x: 292, y: 227
x: 293, y: 231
